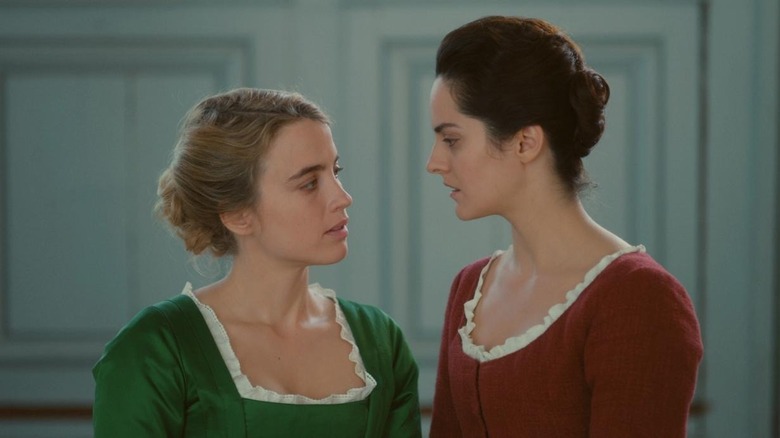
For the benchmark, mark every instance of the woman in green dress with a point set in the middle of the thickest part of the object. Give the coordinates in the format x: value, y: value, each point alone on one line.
x: 261, y: 352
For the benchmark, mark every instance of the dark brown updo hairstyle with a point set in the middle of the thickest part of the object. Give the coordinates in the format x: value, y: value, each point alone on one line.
x: 513, y: 72
x: 218, y: 159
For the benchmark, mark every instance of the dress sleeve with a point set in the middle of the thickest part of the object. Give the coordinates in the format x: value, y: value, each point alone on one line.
x: 404, y: 417
x: 642, y: 356
x: 444, y: 422
x: 139, y: 387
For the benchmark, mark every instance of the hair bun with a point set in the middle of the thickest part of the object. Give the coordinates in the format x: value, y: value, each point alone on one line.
x: 588, y: 96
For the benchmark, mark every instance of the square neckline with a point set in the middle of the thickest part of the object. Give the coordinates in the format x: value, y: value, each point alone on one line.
x: 256, y: 392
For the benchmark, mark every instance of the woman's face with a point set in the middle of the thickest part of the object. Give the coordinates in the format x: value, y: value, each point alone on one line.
x: 301, y: 211
x: 469, y: 164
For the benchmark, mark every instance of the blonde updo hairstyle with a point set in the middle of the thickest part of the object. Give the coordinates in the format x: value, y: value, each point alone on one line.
x: 218, y: 159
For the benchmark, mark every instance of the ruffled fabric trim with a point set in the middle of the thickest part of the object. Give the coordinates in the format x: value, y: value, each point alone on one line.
x: 516, y: 343
x: 249, y: 391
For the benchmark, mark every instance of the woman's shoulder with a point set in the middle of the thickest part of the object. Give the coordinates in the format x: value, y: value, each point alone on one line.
x: 152, y: 324
x: 636, y: 283
x: 640, y: 268
x: 639, y: 298
x: 146, y: 355
x: 148, y: 320
x: 364, y: 313
x: 475, y: 267
x: 165, y: 312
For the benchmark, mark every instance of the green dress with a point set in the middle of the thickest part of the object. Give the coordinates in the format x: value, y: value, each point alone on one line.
x: 163, y: 376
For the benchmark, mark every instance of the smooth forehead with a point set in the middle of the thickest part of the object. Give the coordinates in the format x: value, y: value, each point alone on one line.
x: 445, y: 112
x: 303, y: 142
x: 443, y: 106
x: 441, y: 92
x: 302, y: 134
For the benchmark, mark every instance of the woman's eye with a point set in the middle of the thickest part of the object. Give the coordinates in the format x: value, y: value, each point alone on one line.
x: 449, y: 141
x: 311, y: 185
x: 337, y: 170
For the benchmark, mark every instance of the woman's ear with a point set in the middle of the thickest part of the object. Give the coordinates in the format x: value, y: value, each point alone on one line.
x: 528, y: 142
x: 238, y: 222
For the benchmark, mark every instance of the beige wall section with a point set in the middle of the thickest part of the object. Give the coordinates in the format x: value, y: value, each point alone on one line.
x: 90, y: 99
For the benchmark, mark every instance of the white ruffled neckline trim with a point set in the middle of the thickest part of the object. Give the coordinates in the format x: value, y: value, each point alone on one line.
x: 249, y: 391
x: 516, y: 343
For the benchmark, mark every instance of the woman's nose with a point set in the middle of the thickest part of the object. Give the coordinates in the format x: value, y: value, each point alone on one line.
x: 342, y: 198
x: 436, y: 163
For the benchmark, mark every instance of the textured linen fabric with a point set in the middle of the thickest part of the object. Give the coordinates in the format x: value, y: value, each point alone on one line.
x: 621, y: 361
x: 163, y: 376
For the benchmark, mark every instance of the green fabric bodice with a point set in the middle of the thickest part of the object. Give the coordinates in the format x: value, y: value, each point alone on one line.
x: 163, y: 376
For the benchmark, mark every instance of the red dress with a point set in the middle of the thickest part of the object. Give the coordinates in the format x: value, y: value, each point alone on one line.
x: 620, y: 361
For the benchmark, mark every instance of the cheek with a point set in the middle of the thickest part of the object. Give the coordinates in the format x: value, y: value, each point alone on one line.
x: 289, y: 218
x: 299, y: 217
x: 279, y: 212
x: 471, y: 171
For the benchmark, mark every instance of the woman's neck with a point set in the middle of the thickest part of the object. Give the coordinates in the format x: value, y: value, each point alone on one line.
x: 256, y: 291
x: 556, y: 236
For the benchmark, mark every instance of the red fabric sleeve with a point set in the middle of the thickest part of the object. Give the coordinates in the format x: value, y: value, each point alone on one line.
x: 642, y: 356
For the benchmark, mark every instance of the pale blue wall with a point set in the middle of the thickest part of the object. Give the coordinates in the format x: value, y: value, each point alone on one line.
x: 91, y: 93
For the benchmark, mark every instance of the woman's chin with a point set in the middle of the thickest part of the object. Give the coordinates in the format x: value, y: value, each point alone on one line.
x: 466, y: 215
x: 334, y: 257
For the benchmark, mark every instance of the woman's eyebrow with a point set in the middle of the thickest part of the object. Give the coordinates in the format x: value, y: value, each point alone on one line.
x: 310, y: 169
x: 306, y: 170
x: 443, y: 126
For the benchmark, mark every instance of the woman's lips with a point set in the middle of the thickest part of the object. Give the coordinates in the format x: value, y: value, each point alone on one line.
x: 453, y: 190
x: 339, y: 231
